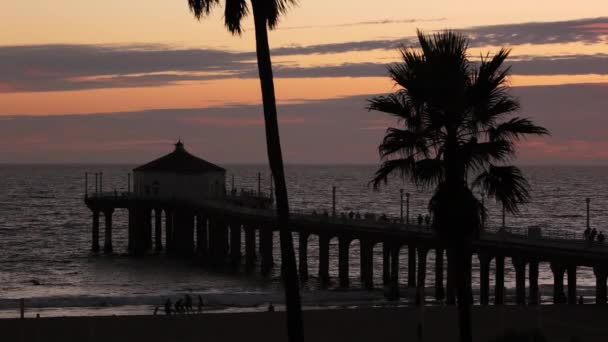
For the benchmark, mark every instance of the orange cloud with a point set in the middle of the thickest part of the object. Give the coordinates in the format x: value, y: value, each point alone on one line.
x: 225, y: 121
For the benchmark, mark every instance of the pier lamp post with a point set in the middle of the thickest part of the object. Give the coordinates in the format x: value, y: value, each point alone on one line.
x: 96, y: 182
x: 259, y: 184
x: 588, y: 200
x: 101, y: 182
x: 333, y: 201
x: 483, y: 208
x: 271, y: 187
x: 503, y: 215
x: 401, y: 204
x: 86, y: 184
x: 129, y: 182
x: 407, y: 208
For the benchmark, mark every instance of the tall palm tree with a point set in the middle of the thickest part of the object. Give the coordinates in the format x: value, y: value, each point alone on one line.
x: 266, y: 14
x: 456, y: 124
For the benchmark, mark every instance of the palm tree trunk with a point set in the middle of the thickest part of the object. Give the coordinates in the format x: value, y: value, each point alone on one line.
x: 463, y: 291
x: 273, y: 144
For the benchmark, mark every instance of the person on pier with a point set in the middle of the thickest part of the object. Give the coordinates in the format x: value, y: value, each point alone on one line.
x: 168, y: 305
x: 601, y: 237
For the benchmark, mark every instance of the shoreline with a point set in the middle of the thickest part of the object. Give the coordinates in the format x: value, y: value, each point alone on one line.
x: 558, y: 322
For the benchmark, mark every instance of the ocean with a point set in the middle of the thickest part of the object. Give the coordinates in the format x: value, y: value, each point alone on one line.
x: 45, y: 230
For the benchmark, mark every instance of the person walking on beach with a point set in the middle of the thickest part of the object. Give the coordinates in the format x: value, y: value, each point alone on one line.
x: 200, y: 304
x: 178, y: 306
x: 427, y: 220
x: 270, y: 307
x: 601, y: 237
x: 593, y: 234
x: 420, y: 219
x: 168, y: 305
x: 188, y: 303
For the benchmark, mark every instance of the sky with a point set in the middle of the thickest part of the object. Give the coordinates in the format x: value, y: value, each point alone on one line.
x: 120, y: 81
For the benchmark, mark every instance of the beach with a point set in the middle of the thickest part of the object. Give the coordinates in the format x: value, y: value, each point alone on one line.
x: 559, y: 323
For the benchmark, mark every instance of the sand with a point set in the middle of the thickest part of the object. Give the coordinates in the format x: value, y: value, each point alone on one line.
x: 559, y: 323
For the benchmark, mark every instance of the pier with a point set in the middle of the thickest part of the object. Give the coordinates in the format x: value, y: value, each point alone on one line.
x: 186, y: 197
x: 211, y: 230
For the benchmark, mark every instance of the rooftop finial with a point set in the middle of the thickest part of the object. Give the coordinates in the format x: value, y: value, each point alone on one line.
x: 179, y: 146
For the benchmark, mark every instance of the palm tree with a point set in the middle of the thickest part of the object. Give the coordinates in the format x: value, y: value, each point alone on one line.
x: 266, y: 14
x: 455, y: 126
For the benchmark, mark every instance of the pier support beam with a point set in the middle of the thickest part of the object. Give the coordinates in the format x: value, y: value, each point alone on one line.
x: 95, y: 232
x: 158, y: 226
x: 394, y: 277
x: 533, y: 279
x: 266, y: 250
x: 451, y: 281
x: 303, y: 256
x: 367, y: 264
x: 324, y: 259
x: 250, y: 254
x: 499, y: 287
x: 558, y: 282
x: 420, y: 295
x: 169, y: 231
x: 343, y: 260
x: 184, y: 232
x: 411, y: 266
x: 137, y: 244
x: 147, y: 226
x: 484, y: 278
x: 439, y: 289
x: 601, y: 273
x: 572, y: 284
x: 107, y: 245
x: 386, y: 263
x: 520, y: 280
x: 201, y: 236
x: 235, y: 243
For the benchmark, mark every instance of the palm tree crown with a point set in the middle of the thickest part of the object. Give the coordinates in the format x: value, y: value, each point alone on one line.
x: 457, y: 123
x: 236, y: 10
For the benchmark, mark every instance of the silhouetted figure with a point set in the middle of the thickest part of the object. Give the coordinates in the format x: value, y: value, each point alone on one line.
x: 593, y: 234
x: 179, y: 306
x: 580, y: 300
x: 420, y: 219
x: 601, y: 237
x: 188, y: 303
x: 587, y: 233
x: 155, y: 310
x: 358, y: 215
x: 351, y: 215
x: 168, y: 305
x: 200, y: 304
x: 427, y: 220
x: 270, y: 307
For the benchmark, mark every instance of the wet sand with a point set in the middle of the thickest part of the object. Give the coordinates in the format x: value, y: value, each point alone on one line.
x: 558, y: 322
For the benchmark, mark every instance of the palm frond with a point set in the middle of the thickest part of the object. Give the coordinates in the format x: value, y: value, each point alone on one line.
x: 234, y: 12
x: 394, y: 104
x: 477, y: 155
x: 201, y: 8
x: 276, y: 8
x: 428, y: 172
x: 402, y: 167
x: 506, y: 184
x: 515, y: 129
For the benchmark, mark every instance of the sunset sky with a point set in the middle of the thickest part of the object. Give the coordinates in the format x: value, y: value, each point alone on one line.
x: 120, y: 81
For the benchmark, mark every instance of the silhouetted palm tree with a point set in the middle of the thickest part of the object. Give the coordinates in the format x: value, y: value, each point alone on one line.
x: 266, y: 14
x: 455, y: 126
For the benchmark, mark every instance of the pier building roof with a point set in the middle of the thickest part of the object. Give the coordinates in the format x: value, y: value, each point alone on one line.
x: 179, y: 161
